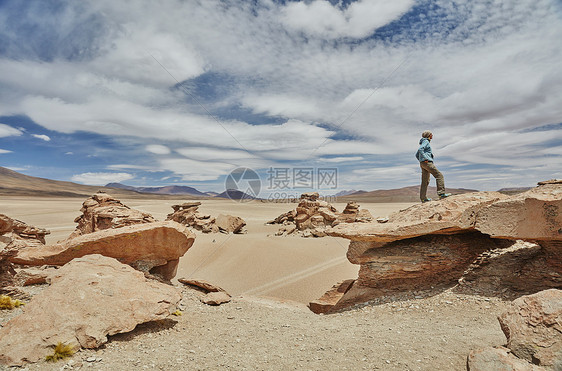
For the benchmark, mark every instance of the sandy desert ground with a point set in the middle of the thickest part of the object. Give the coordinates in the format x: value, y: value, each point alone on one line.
x: 255, y: 263
x: 267, y: 325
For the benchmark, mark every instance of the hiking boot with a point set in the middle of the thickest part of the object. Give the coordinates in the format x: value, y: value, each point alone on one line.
x: 426, y: 200
x: 444, y: 195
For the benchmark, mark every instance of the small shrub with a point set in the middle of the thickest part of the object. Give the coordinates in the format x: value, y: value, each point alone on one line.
x: 7, y: 302
x: 61, y: 351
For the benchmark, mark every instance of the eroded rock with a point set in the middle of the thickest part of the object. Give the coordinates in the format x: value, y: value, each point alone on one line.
x: 313, y: 216
x: 187, y: 214
x: 434, y: 243
x: 146, y: 247
x: 102, y: 211
x: 89, y: 299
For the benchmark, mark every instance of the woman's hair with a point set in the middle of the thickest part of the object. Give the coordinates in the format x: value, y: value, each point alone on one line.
x: 426, y: 134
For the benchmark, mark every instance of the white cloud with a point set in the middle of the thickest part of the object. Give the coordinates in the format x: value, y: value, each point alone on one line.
x: 343, y: 159
x: 46, y: 138
x: 7, y: 131
x: 4, y: 151
x: 130, y: 166
x: 321, y: 19
x: 158, y: 149
x: 469, y: 71
x: 101, y: 178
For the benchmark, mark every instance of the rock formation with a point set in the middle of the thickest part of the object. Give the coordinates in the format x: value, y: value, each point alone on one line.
x: 434, y: 243
x: 102, y: 211
x: 188, y: 215
x: 15, y: 235
x: 151, y: 247
x: 533, y: 328
x: 69, y: 310
x: 312, y: 217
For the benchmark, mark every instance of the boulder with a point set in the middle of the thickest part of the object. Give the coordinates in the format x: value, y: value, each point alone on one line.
x: 230, y: 224
x: 216, y: 298
x: 89, y: 299
x: 498, y: 359
x: 533, y: 327
x: 102, y: 211
x: 143, y: 246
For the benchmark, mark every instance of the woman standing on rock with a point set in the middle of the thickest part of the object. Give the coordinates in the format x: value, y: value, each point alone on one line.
x: 425, y: 157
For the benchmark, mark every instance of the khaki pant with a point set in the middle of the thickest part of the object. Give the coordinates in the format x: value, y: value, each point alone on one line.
x: 429, y: 168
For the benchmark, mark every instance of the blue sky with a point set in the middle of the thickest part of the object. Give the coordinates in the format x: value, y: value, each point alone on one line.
x: 183, y: 92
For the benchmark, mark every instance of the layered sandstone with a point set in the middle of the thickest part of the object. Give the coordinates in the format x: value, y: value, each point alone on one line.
x: 151, y: 247
x: 89, y: 299
x: 433, y: 244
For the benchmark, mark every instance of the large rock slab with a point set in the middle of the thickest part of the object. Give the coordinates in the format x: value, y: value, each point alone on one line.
x: 143, y: 246
x: 451, y: 215
x: 533, y: 327
x: 533, y: 215
x: 89, y: 299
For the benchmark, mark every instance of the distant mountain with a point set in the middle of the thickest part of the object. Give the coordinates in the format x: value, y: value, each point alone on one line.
x: 513, y: 190
x: 13, y: 183
x: 405, y: 194
x: 166, y: 190
x: 235, y: 194
x: 345, y: 192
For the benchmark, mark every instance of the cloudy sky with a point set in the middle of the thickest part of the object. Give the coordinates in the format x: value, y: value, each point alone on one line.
x: 152, y: 93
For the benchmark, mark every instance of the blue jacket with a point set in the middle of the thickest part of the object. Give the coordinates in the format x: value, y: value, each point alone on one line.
x: 424, y: 152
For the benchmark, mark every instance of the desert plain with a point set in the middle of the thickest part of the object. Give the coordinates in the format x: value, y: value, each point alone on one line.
x: 256, y: 263
x: 267, y: 325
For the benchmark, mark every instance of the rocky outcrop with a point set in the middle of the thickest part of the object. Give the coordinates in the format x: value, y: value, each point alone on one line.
x: 102, y: 211
x: 312, y: 217
x: 533, y: 328
x: 89, y: 299
x: 433, y: 244
x: 152, y: 247
x: 15, y: 235
x: 188, y: 215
